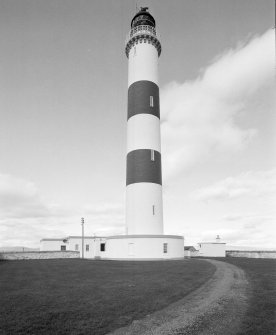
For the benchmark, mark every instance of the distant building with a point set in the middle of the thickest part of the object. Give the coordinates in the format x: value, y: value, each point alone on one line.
x: 212, y: 249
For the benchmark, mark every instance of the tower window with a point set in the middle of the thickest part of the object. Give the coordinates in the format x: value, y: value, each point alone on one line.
x: 102, y: 246
x: 152, y: 155
x: 151, y: 101
x: 165, y: 248
x: 76, y: 247
x: 153, y: 210
x: 87, y: 247
x: 63, y: 247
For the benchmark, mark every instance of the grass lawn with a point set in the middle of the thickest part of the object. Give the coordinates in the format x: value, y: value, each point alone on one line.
x: 261, y: 274
x: 74, y: 296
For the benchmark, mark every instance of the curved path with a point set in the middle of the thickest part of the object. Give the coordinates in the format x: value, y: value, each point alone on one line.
x: 217, y: 307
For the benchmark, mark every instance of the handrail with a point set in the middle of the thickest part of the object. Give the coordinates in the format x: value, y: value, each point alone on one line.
x: 139, y: 30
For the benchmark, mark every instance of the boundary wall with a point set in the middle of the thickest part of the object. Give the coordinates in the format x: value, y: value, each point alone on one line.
x: 19, y: 255
x: 251, y: 254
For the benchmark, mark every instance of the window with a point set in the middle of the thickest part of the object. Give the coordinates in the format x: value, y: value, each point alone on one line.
x: 165, y: 248
x: 153, y: 210
x: 63, y: 247
x: 152, y: 155
x: 151, y: 101
x: 76, y: 247
x: 87, y: 247
x: 102, y: 246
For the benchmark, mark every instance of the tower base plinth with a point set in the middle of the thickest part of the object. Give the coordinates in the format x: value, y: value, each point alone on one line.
x: 144, y: 247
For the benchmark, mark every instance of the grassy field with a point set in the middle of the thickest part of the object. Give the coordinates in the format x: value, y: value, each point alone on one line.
x: 73, y: 296
x: 261, y: 274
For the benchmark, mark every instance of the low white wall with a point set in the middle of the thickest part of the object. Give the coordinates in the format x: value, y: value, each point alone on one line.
x: 11, y: 256
x: 143, y: 247
x: 251, y: 254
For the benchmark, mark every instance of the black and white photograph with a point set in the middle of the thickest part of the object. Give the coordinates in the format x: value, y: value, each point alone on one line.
x: 137, y: 167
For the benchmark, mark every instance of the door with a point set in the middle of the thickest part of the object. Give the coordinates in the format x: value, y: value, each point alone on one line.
x: 131, y: 249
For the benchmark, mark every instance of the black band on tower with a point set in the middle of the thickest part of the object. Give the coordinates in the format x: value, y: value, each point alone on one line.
x: 140, y: 101
x: 144, y: 166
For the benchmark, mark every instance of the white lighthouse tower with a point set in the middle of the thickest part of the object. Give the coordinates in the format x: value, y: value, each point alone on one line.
x: 144, y: 208
x: 145, y: 238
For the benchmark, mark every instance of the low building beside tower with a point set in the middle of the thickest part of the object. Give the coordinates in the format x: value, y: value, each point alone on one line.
x: 190, y: 251
x: 118, y: 247
x: 92, y: 246
x: 212, y: 249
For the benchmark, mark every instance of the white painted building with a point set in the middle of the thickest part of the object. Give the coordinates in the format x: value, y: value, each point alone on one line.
x: 190, y: 251
x: 119, y: 247
x: 212, y: 249
x: 91, y: 247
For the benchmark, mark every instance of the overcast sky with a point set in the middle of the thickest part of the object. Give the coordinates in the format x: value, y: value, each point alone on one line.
x: 63, y: 112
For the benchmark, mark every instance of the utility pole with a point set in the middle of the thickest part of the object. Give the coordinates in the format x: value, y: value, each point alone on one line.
x: 82, y: 238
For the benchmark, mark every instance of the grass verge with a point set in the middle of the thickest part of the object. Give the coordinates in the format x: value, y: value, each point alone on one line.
x: 73, y: 296
x: 261, y: 273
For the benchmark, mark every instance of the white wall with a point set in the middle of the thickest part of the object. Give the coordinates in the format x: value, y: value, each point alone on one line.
x: 211, y: 249
x: 140, y: 218
x: 52, y: 245
x: 143, y: 132
x: 72, y: 241
x: 187, y: 253
x: 143, y: 247
x: 143, y: 63
x: 123, y: 247
x: 251, y: 253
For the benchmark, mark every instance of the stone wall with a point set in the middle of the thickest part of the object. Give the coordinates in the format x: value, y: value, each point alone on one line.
x: 38, y: 255
x: 251, y: 254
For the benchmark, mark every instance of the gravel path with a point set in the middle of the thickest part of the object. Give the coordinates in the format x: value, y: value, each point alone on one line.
x: 216, y: 308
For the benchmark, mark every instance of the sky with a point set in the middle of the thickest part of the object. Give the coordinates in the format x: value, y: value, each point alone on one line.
x: 63, y: 118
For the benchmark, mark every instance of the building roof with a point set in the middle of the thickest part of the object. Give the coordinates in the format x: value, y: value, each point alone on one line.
x: 143, y: 17
x: 68, y: 237
x: 190, y: 248
x: 51, y: 239
x: 91, y: 237
x: 212, y: 243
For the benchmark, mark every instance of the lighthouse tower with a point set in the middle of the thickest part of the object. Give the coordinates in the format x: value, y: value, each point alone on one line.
x: 145, y: 238
x: 144, y: 208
